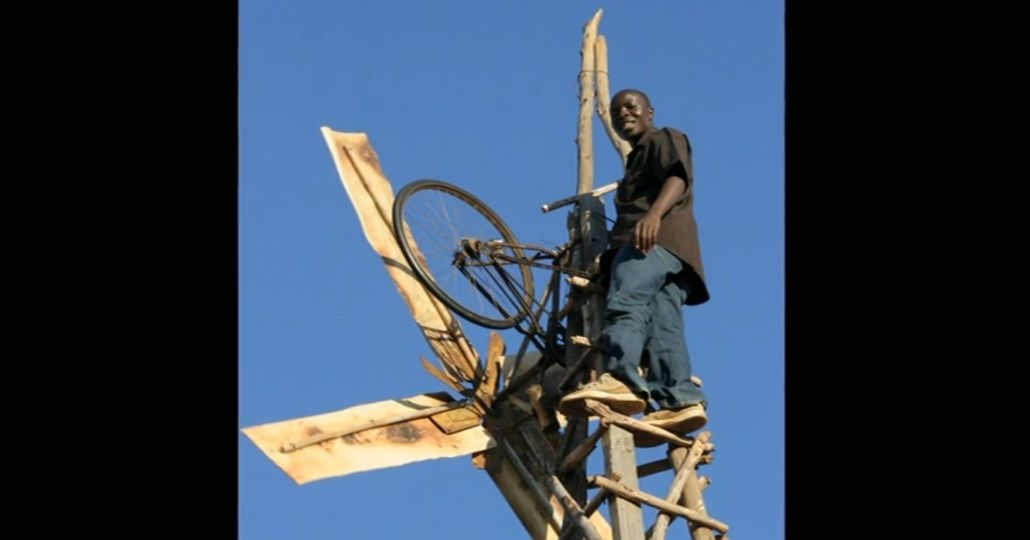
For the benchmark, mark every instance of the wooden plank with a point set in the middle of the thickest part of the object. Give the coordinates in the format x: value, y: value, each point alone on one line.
x: 546, y: 460
x: 520, y: 496
x: 526, y: 497
x: 540, y: 499
x: 375, y: 448
x: 619, y: 459
x: 371, y: 423
x: 487, y: 388
x: 447, y: 379
x: 523, y: 501
x: 372, y: 196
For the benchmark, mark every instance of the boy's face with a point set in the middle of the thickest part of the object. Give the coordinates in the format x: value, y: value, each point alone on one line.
x: 632, y: 115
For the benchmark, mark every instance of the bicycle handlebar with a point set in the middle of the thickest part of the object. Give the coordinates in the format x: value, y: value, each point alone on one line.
x: 545, y: 208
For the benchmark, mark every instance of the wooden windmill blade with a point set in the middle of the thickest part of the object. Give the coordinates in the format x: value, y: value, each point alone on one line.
x: 372, y: 196
x: 371, y: 436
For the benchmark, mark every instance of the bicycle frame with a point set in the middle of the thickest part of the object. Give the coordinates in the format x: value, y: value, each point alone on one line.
x: 474, y: 252
x: 495, y: 253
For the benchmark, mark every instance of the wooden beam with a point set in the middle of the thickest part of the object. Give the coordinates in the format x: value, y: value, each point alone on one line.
x: 653, y: 467
x: 372, y: 196
x: 446, y: 378
x: 690, y: 496
x: 522, y: 496
x: 584, y: 138
x: 633, y: 424
x: 521, y: 485
x: 582, y: 450
x: 487, y: 387
x: 539, y: 497
x: 684, y: 461
x: 619, y: 458
x: 604, y: 98
x: 633, y: 494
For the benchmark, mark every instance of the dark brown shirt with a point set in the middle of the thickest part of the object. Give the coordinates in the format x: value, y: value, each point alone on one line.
x: 659, y: 154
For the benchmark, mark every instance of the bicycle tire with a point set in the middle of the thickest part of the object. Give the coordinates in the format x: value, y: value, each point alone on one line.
x: 461, y: 289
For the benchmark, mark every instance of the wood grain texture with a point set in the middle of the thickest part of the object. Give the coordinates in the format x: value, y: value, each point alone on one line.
x: 375, y: 448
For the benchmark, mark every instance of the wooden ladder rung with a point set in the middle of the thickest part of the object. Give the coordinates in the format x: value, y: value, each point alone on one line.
x: 640, y: 497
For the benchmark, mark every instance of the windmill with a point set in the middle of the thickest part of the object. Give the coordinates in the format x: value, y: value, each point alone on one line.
x: 500, y: 410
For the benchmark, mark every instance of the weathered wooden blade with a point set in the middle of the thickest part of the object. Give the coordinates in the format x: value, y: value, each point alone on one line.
x: 374, y: 448
x: 445, y: 378
x: 372, y: 197
x: 494, y: 357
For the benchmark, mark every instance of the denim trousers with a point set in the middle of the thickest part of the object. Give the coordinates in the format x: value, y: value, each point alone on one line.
x: 643, y: 327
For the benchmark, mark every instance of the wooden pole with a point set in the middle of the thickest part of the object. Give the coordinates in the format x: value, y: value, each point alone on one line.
x: 574, y: 477
x: 604, y: 98
x: 530, y: 519
x: 584, y: 138
x: 685, y: 461
x: 617, y: 443
x: 547, y: 463
x: 619, y: 458
x: 691, y: 494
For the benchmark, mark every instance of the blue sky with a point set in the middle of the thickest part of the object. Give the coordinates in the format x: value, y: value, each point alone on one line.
x: 484, y: 95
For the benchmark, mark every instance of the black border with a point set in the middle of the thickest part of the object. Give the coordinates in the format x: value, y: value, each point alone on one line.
x: 156, y: 355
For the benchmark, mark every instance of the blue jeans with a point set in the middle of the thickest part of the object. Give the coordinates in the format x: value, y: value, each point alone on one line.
x: 643, y: 326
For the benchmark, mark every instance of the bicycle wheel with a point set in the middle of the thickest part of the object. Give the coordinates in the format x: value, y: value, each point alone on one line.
x: 438, y: 227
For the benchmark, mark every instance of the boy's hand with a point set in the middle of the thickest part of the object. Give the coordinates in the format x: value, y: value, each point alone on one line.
x: 645, y: 233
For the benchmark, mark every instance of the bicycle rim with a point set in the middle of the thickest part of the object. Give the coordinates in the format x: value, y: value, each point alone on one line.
x: 431, y: 220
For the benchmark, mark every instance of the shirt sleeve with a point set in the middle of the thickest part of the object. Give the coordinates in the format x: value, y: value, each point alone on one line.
x: 673, y: 156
